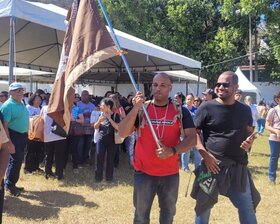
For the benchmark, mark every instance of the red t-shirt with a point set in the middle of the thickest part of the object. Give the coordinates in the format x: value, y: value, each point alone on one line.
x: 168, y: 130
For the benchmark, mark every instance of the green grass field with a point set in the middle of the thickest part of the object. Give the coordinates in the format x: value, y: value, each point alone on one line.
x: 78, y: 199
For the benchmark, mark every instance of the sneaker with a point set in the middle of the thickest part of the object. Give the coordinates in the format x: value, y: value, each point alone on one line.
x: 13, y: 191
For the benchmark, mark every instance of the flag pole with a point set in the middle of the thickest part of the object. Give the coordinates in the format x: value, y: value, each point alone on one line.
x: 127, y: 68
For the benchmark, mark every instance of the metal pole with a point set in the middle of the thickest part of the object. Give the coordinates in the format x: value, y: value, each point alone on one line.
x: 198, y: 82
x: 250, y: 48
x: 128, y: 69
x: 11, y: 50
x: 31, y: 81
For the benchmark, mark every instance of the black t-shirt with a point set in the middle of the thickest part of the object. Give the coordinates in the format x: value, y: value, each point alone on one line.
x: 106, y: 130
x: 224, y: 128
x: 187, y: 119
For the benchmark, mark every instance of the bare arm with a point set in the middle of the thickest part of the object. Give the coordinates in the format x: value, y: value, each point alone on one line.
x: 210, y: 161
x: 10, y: 145
x: 99, y: 121
x: 185, y: 145
x: 269, y: 127
x: 248, y: 142
x: 4, y: 159
x: 113, y: 123
x: 6, y: 148
x: 126, y: 126
x: 80, y: 119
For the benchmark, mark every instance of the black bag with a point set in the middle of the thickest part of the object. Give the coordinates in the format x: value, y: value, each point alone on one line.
x: 58, y: 130
x: 76, y: 129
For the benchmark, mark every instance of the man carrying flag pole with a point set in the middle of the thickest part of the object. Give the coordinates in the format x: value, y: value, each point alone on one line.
x: 88, y: 42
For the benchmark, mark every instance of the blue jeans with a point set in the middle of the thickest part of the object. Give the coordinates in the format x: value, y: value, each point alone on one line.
x: 241, y: 200
x: 16, y: 159
x: 185, y: 157
x: 129, y: 145
x: 84, y: 148
x: 145, y: 189
x: 261, y: 125
x: 273, y: 162
x: 104, y: 146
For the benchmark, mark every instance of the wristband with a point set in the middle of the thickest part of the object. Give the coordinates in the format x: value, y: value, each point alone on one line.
x: 174, y: 150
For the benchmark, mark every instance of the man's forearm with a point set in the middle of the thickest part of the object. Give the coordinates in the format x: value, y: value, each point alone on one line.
x: 126, y: 126
x: 188, y: 142
x: 4, y: 160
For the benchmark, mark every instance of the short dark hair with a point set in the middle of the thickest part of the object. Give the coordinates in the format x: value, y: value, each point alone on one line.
x: 234, y: 78
x: 181, y: 96
x: 5, y: 93
x: 233, y: 75
x: 108, y: 102
x: 32, y: 98
x: 40, y: 91
x: 238, y: 91
x: 276, y: 96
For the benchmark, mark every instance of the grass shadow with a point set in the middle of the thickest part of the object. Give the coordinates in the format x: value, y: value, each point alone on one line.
x: 50, y: 203
x: 260, y: 154
x: 123, y: 175
x: 16, y: 207
x: 258, y: 170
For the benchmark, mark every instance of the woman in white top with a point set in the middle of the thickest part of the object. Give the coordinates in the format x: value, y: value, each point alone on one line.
x: 55, y: 147
x: 34, y: 147
x: 253, y: 107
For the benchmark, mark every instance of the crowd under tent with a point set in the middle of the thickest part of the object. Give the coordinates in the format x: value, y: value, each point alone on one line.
x: 37, y: 31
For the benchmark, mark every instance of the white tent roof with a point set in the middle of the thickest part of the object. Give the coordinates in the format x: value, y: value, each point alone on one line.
x: 245, y: 85
x: 184, y: 75
x: 27, y: 75
x: 39, y: 34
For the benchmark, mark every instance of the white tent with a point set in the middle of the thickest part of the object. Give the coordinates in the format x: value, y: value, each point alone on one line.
x: 184, y: 75
x: 39, y: 32
x: 27, y: 75
x: 247, y: 87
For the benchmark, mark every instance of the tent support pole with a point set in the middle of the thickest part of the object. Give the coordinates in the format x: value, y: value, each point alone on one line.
x: 11, y: 50
x: 31, y: 82
x: 198, y: 82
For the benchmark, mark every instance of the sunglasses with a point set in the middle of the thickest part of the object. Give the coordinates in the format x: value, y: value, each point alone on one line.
x: 196, y: 100
x: 224, y: 84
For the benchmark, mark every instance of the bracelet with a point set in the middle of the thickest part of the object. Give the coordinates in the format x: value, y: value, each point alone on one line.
x: 174, y: 150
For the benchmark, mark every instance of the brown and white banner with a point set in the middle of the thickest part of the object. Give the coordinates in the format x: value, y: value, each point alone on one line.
x: 86, y: 43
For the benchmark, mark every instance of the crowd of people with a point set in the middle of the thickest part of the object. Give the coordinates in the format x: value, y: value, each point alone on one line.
x: 216, y: 131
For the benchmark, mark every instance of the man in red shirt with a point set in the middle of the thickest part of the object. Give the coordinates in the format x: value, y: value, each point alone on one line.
x: 157, y: 169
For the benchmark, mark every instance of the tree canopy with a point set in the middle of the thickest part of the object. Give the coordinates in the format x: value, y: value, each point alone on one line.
x: 215, y: 32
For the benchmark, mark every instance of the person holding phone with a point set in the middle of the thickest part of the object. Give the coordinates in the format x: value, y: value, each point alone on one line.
x: 226, y: 126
